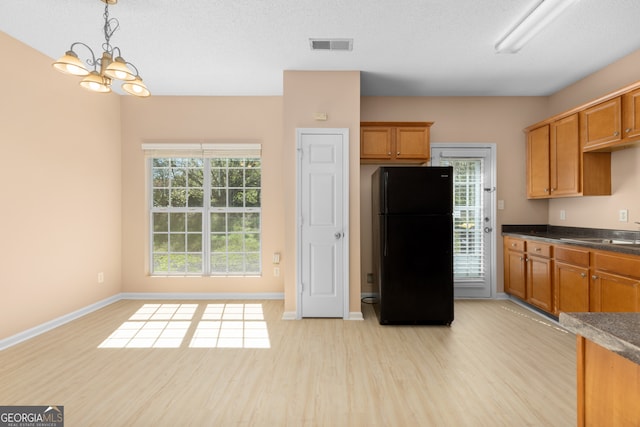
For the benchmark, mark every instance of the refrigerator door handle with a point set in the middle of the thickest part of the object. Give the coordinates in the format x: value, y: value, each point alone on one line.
x: 384, y: 233
x: 384, y: 193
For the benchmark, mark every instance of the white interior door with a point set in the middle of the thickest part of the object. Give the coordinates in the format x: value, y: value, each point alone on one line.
x: 473, y: 216
x: 323, y: 188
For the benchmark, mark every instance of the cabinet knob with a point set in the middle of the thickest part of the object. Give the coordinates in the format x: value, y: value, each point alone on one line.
x: 398, y: 153
x: 583, y: 275
x: 616, y: 133
x: 537, y: 249
x: 389, y: 153
x: 546, y: 190
x: 594, y: 277
x: 514, y: 244
x: 627, y: 130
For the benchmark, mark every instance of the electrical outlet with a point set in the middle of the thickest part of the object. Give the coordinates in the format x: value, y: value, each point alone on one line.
x: 276, y: 271
x: 101, y: 277
x: 623, y: 215
x: 563, y: 215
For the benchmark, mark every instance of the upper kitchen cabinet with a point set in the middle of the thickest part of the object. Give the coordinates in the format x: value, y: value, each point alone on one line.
x: 613, y: 123
x: 556, y: 166
x: 601, y: 125
x: 394, y: 142
x: 631, y: 115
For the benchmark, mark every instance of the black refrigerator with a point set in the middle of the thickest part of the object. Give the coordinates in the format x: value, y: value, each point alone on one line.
x: 413, y: 245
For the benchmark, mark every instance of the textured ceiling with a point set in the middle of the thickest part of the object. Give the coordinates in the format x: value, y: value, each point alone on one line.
x: 402, y: 47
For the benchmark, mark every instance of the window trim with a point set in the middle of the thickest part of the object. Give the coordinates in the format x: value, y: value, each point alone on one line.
x: 205, y: 151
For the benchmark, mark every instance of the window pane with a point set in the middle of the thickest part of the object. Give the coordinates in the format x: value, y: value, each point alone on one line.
x: 160, y: 221
x: 218, y: 178
x: 218, y: 222
x: 252, y: 242
x: 219, y: 198
x: 196, y: 197
x: 160, y: 198
x: 194, y: 242
x: 235, y: 242
x: 178, y: 197
x: 177, y: 242
x: 219, y: 263
x: 252, y: 222
x: 179, y: 178
x: 177, y: 222
x: 194, y: 263
x: 194, y: 222
x: 252, y: 178
x: 236, y: 198
x: 160, y: 163
x: 160, y: 242
x: 236, y: 178
x: 160, y: 263
x: 253, y: 263
x: 236, y: 263
x: 252, y: 198
x: 196, y: 177
x: 161, y: 177
x: 235, y: 222
x: 218, y: 243
x: 177, y: 263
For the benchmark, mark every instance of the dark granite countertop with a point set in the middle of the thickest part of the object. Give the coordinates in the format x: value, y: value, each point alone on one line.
x: 563, y: 235
x: 618, y: 332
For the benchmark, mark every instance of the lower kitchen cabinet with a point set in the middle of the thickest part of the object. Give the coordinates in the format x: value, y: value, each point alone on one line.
x: 563, y: 278
x: 615, y: 282
x: 571, y: 279
x: 539, y: 275
x: 515, y: 271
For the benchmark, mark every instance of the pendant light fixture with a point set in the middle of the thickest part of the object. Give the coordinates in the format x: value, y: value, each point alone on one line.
x: 106, y: 68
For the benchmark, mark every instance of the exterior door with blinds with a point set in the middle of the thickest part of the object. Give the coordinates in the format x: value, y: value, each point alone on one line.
x: 473, y: 216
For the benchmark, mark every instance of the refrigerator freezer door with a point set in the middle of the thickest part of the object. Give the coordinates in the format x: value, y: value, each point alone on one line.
x: 416, y: 285
x: 416, y: 190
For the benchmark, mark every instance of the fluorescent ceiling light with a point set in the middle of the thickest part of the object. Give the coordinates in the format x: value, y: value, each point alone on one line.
x: 532, y: 24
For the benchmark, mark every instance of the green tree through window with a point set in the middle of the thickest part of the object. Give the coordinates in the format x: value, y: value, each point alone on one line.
x: 206, y: 216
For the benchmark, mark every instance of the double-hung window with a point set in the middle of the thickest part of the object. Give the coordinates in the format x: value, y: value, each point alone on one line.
x: 205, y: 209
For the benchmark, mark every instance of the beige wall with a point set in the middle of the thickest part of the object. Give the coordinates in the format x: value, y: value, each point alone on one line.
x: 60, y: 187
x: 175, y: 119
x: 336, y: 93
x: 498, y: 120
x: 602, y: 211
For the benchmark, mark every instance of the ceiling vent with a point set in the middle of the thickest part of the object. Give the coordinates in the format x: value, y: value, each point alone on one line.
x: 331, y: 44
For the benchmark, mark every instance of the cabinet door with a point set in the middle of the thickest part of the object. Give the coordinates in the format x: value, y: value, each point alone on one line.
x: 631, y: 114
x: 601, y: 124
x: 538, y: 162
x: 539, y: 282
x: 571, y: 287
x: 375, y: 143
x: 412, y: 143
x: 615, y: 293
x: 515, y: 274
x: 564, y: 157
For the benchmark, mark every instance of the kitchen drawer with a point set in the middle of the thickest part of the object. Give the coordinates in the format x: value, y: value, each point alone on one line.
x: 538, y: 248
x: 515, y: 244
x: 571, y: 255
x: 622, y: 265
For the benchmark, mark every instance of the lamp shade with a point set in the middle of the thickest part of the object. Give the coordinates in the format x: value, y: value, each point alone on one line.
x: 118, y: 69
x: 70, y: 64
x: 95, y: 82
x: 136, y: 87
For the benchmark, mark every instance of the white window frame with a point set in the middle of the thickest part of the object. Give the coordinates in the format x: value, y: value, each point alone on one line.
x: 207, y: 152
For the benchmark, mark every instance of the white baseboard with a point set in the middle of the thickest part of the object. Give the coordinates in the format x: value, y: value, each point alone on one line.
x: 355, y: 315
x: 289, y: 315
x: 52, y: 324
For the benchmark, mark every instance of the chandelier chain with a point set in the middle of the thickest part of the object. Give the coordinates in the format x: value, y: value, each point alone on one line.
x: 110, y: 27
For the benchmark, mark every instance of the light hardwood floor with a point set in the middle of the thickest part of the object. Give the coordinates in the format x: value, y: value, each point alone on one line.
x: 497, y: 365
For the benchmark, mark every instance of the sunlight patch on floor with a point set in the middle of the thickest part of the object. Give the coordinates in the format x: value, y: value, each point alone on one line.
x: 167, y: 325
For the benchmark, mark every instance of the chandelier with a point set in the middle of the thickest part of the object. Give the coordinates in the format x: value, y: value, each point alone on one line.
x: 110, y: 66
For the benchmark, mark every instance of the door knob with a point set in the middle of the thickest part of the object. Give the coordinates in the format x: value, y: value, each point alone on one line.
x: 338, y: 235
x: 488, y: 229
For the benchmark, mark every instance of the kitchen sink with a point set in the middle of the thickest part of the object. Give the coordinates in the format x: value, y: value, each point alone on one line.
x: 600, y: 240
